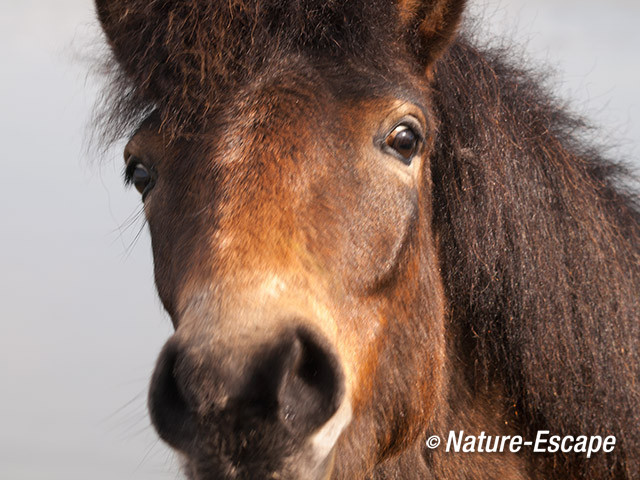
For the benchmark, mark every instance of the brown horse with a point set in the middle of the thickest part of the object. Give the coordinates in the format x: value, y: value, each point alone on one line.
x: 367, y: 232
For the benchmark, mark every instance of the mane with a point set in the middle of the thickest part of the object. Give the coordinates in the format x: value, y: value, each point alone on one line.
x: 540, y: 252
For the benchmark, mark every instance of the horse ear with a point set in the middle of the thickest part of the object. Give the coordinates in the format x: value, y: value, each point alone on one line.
x: 430, y: 26
x: 138, y: 45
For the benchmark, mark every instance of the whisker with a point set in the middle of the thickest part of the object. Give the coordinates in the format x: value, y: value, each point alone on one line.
x: 133, y: 243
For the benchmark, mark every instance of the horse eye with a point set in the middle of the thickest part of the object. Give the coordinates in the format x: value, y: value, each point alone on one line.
x: 139, y: 176
x: 404, y: 141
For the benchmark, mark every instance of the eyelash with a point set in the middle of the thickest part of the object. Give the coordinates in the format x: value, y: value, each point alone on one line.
x: 128, y: 172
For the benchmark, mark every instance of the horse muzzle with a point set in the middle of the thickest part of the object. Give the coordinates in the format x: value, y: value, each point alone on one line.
x: 253, y: 408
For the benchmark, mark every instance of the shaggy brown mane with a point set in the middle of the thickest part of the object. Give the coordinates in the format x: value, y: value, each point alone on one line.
x: 541, y: 255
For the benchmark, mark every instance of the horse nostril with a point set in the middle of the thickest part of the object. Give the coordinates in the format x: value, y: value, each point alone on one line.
x: 312, y: 384
x: 170, y: 411
x: 297, y: 381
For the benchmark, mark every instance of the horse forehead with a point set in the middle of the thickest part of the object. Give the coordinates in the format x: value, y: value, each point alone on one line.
x: 297, y: 85
x: 271, y: 115
x: 295, y: 92
x: 295, y: 108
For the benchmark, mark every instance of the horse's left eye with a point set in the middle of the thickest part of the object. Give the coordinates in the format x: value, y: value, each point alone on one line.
x: 404, y: 141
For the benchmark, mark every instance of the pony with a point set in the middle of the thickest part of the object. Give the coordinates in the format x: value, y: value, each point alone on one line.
x: 370, y: 232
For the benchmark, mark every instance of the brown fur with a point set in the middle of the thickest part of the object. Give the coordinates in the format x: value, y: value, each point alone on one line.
x: 498, y: 292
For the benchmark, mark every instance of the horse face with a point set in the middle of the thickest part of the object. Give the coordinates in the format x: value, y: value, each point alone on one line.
x: 291, y: 232
x: 293, y: 250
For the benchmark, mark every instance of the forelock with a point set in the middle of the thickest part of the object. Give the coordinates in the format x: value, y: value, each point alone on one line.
x: 182, y: 58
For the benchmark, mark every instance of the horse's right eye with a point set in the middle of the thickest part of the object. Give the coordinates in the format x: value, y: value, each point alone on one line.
x: 139, y: 176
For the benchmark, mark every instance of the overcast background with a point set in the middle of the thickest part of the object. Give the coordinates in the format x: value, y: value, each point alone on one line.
x: 80, y: 324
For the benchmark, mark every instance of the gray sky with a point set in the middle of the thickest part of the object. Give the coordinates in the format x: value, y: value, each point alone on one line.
x: 81, y: 326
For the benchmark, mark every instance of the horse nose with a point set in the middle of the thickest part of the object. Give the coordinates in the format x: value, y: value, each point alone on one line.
x: 296, y: 380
